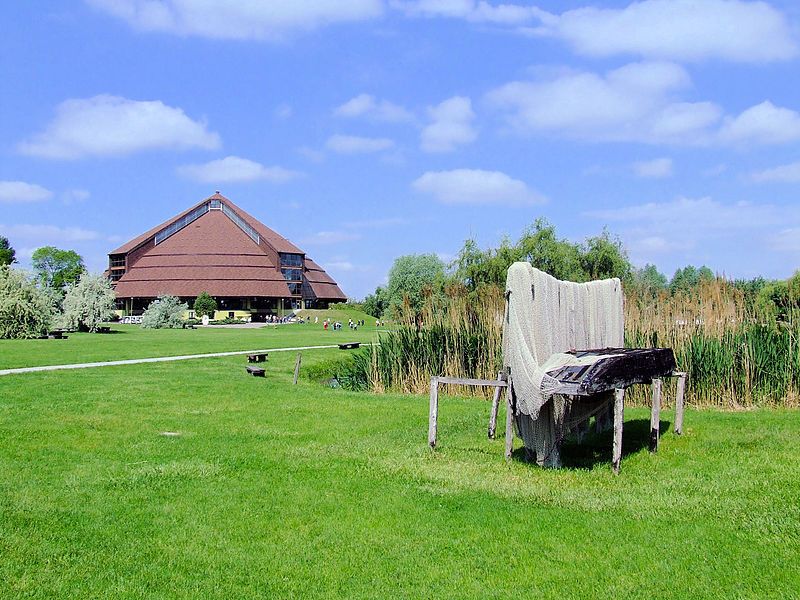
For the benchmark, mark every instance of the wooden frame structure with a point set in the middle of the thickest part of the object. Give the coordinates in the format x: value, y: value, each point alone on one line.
x: 504, y: 381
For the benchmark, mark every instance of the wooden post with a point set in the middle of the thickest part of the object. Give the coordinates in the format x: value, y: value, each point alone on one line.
x: 655, y: 415
x: 434, y: 412
x: 495, y: 408
x: 679, y: 403
x: 509, y: 420
x: 297, y: 367
x: 619, y: 417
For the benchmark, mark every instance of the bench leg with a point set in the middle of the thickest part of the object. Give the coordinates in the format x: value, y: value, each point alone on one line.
x: 679, y: 403
x: 655, y: 416
x: 619, y: 417
x: 509, y: 422
x: 434, y: 412
x: 495, y: 408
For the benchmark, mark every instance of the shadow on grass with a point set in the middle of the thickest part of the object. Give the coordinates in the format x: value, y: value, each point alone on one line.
x: 596, y: 448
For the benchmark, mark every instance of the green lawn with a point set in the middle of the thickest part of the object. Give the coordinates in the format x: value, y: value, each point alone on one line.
x: 131, y: 341
x: 272, y: 490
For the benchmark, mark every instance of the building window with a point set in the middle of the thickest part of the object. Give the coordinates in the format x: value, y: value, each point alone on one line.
x: 292, y: 274
x: 185, y: 220
x: 294, y: 288
x: 117, y: 260
x: 215, y: 205
x: 116, y: 275
x: 291, y: 260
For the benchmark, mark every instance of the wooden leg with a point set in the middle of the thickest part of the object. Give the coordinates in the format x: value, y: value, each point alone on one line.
x: 619, y: 417
x: 509, y: 422
x: 297, y: 367
x: 495, y: 408
x: 655, y: 416
x: 434, y: 412
x: 679, y: 403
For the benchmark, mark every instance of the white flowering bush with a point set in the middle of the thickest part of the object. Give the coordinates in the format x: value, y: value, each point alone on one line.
x: 88, y: 303
x: 164, y: 312
x: 25, y: 312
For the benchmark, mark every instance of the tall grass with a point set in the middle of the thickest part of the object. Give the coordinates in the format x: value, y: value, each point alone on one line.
x: 733, y: 356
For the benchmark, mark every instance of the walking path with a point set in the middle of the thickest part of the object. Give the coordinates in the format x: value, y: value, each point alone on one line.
x: 135, y: 361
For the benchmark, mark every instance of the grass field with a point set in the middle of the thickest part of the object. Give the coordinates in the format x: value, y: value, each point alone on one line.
x: 131, y: 341
x: 274, y: 490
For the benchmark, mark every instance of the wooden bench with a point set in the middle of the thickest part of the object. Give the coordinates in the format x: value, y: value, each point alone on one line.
x: 257, y: 358
x: 104, y: 329
x: 349, y: 346
x: 57, y: 334
x: 256, y: 371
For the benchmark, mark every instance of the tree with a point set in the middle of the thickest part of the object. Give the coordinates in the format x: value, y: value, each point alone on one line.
x: 376, y: 304
x: 649, y: 280
x: 25, y: 312
x: 57, y: 268
x: 541, y: 247
x: 410, y: 277
x: 205, y: 305
x: 88, y: 302
x: 603, y: 257
x: 7, y: 253
x: 685, y: 279
x: 164, y: 312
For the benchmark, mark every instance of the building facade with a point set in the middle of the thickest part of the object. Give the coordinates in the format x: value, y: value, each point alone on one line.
x: 218, y: 248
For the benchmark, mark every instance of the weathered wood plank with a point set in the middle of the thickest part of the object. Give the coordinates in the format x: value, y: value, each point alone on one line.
x: 655, y: 416
x: 434, y: 412
x: 681, y: 389
x: 297, y: 367
x: 465, y: 381
x: 619, y: 418
x: 495, y: 408
x: 509, y: 421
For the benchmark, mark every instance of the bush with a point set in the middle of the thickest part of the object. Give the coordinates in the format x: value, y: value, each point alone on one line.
x: 205, y: 305
x: 165, y: 312
x: 88, y: 303
x: 228, y: 321
x: 25, y: 312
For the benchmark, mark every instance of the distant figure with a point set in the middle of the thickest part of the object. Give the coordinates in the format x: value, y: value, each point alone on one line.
x: 316, y: 320
x: 325, y: 325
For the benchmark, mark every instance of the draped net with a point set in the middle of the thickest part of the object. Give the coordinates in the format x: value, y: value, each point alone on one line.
x: 545, y: 319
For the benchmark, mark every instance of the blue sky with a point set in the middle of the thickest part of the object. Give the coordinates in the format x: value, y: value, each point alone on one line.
x: 367, y: 129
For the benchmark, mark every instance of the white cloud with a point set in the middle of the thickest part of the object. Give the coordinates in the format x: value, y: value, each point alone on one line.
x: 785, y: 173
x: 340, y: 265
x: 365, y: 105
x: 331, y: 237
x: 686, y: 30
x: 233, y: 169
x: 75, y: 196
x: 311, y: 154
x: 786, y: 240
x: 472, y: 10
x: 256, y: 20
x: 764, y: 123
x: 658, y: 168
x: 283, y: 111
x: 112, y: 126
x: 43, y: 235
x: 351, y: 144
x: 12, y: 192
x: 475, y: 186
x: 632, y: 103
x: 451, y: 125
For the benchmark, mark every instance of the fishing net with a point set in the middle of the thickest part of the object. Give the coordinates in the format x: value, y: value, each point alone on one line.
x: 545, y: 319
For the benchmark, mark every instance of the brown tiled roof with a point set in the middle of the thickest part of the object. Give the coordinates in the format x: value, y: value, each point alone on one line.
x: 214, y: 255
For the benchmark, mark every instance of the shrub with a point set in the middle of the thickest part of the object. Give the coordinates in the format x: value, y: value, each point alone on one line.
x: 25, y: 312
x: 88, y: 303
x: 165, y: 312
x: 205, y: 305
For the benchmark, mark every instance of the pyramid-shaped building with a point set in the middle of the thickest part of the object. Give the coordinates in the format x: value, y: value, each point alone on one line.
x: 218, y: 248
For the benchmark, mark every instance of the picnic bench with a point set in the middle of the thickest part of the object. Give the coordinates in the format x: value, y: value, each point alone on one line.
x: 256, y: 371
x: 257, y: 358
x: 57, y: 334
x: 349, y: 346
x: 104, y: 329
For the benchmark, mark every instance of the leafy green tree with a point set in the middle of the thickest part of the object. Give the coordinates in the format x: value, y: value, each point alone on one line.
x: 204, y: 304
x: 649, y: 280
x: 689, y: 277
x: 7, y: 253
x: 164, y: 312
x: 410, y: 278
x: 25, y: 311
x: 88, y: 303
x: 603, y: 257
x: 540, y: 246
x: 376, y: 304
x: 57, y: 268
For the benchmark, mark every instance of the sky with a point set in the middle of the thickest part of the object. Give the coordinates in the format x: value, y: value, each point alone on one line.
x: 363, y: 130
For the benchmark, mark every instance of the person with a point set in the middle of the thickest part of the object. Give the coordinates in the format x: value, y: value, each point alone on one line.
x: 325, y: 325
x: 316, y: 320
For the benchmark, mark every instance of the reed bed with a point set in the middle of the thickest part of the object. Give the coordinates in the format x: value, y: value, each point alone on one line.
x: 734, y: 357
